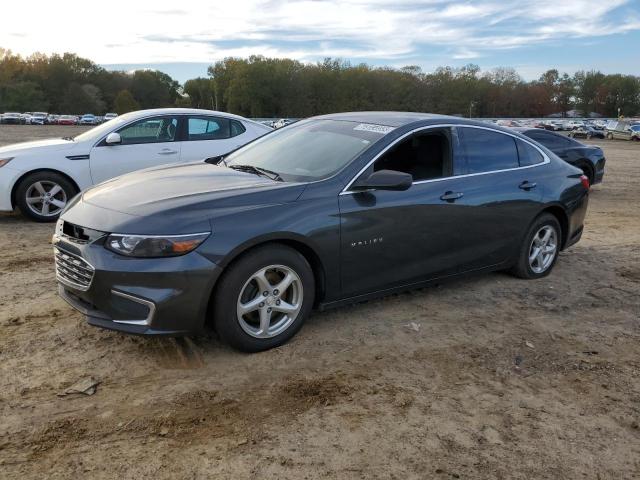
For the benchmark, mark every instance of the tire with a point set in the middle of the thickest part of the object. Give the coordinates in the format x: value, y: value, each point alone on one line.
x: 523, y: 267
x: 238, y: 286
x: 38, y: 185
x: 588, y: 171
x: 609, y: 136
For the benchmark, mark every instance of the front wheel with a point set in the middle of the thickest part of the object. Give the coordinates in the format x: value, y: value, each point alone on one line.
x: 43, y: 195
x: 539, y: 251
x: 264, y: 298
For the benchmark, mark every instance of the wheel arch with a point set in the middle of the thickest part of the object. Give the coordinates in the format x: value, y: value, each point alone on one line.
x: 294, y: 241
x: 563, y: 218
x: 17, y: 183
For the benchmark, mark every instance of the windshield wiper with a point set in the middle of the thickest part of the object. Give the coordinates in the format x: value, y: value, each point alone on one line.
x: 68, y: 138
x: 258, y: 171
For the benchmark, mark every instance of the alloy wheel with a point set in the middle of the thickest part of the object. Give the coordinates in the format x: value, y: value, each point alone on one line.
x: 270, y: 301
x: 46, y: 198
x: 543, y: 249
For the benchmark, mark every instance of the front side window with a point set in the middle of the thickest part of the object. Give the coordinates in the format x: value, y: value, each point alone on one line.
x: 425, y: 156
x: 309, y: 150
x: 487, y: 150
x: 150, y: 130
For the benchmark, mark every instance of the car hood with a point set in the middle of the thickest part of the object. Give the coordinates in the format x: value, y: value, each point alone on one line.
x: 175, y: 198
x: 51, y: 144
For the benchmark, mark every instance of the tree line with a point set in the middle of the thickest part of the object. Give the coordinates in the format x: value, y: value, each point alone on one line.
x: 279, y: 87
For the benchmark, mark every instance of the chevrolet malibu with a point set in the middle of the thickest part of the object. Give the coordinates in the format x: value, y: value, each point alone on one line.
x: 331, y: 210
x: 41, y: 177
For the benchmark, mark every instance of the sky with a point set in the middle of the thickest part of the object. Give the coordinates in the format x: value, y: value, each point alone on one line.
x: 183, y: 39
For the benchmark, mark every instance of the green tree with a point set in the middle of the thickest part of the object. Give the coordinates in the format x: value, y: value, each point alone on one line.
x: 124, y: 102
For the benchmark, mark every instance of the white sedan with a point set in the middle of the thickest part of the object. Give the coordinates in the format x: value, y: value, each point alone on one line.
x: 41, y: 177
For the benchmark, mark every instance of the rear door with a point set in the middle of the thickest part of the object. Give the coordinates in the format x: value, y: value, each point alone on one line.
x: 145, y: 143
x: 209, y: 136
x: 500, y: 191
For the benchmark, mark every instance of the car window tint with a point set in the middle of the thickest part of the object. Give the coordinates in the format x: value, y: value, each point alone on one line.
x: 487, y: 150
x: 549, y: 140
x: 237, y: 128
x: 425, y: 156
x: 150, y: 130
x: 208, y: 128
x: 528, y: 154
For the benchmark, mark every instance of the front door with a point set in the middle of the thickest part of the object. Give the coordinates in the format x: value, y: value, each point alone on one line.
x: 146, y: 143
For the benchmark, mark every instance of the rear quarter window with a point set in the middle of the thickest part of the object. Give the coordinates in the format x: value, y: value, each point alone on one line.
x: 528, y: 154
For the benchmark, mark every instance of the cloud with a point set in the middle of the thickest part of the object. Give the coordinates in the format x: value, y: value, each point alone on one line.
x: 372, y: 30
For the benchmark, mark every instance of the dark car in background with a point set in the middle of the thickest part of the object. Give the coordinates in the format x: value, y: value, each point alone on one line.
x: 331, y: 210
x: 585, y: 131
x: 588, y: 158
x: 11, y: 118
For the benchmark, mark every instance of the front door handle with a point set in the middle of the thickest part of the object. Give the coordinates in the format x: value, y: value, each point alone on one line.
x: 167, y: 151
x: 451, y: 196
x: 526, y: 185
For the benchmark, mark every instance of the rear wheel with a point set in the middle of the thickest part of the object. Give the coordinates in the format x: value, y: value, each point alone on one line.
x: 264, y: 298
x: 42, y: 196
x: 539, y: 251
x: 609, y: 136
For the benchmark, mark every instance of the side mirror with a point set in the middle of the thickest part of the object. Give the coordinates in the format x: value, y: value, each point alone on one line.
x: 214, y: 160
x: 113, y: 139
x: 385, y: 180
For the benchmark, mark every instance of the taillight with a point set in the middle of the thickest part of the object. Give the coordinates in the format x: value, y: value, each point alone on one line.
x: 585, y: 181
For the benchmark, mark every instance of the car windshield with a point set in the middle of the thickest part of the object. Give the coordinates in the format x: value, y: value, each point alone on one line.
x: 308, y: 151
x: 104, y: 128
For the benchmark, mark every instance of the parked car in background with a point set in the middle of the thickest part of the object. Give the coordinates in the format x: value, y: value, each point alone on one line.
x: 328, y: 211
x: 52, y: 119
x: 573, y: 124
x: 586, y: 132
x: 109, y: 116
x: 622, y: 130
x: 588, y: 158
x: 41, y: 177
x: 38, y: 118
x: 283, y: 122
x: 88, y: 119
x: 67, y: 120
x: 11, y: 118
x: 26, y: 118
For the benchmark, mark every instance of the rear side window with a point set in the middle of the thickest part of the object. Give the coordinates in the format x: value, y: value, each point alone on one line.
x: 487, y: 150
x: 528, y: 154
x: 208, y: 128
x: 237, y: 128
x: 549, y: 140
x: 213, y: 128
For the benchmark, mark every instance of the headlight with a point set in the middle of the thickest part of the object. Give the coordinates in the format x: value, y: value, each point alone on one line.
x: 154, y: 245
x: 4, y: 161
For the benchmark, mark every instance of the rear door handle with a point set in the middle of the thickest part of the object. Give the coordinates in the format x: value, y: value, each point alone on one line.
x: 526, y: 185
x: 167, y: 151
x: 451, y: 196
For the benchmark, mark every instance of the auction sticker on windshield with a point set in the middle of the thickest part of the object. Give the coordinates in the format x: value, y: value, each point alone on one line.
x: 370, y: 127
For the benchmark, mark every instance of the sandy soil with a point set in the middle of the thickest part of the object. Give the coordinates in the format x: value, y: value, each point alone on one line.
x: 503, y: 379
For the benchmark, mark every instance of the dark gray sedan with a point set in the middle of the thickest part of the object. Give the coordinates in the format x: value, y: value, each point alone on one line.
x: 331, y: 210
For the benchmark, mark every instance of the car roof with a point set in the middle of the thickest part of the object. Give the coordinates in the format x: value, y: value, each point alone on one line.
x: 191, y: 111
x: 401, y: 119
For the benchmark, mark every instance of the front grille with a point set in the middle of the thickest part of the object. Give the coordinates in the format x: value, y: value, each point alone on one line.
x: 73, y: 270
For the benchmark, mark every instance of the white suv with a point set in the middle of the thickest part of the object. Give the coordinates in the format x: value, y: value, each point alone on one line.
x: 41, y: 177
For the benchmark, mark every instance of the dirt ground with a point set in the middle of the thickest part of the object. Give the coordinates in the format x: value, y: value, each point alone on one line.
x: 504, y: 378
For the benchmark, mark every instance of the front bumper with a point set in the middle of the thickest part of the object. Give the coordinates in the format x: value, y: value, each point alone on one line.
x: 154, y: 296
